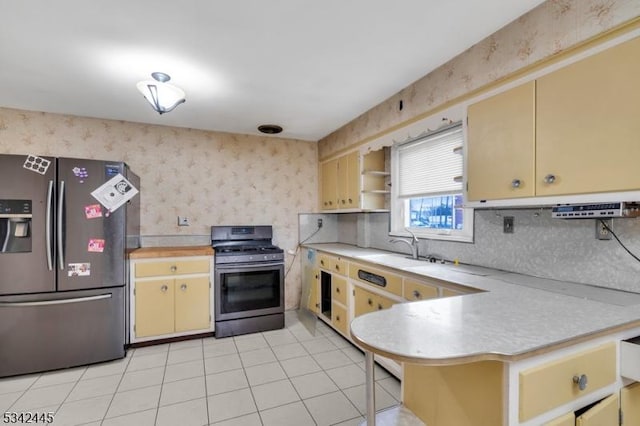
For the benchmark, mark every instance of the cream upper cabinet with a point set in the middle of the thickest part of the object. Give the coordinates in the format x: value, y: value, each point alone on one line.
x: 349, y: 181
x: 341, y: 182
x: 572, y: 131
x: 329, y: 191
x: 501, y: 145
x: 588, y: 124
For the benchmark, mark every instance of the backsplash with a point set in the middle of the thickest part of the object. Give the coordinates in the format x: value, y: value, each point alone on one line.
x: 565, y: 250
x: 213, y: 178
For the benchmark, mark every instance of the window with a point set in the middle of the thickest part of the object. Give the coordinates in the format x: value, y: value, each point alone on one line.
x: 427, y: 187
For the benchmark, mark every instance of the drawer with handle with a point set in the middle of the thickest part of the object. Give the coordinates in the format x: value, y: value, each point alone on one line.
x: 416, y: 290
x: 376, y: 277
x: 332, y: 264
x: 367, y: 301
x: 339, y: 318
x: 172, y: 267
x: 339, y: 289
x: 555, y: 383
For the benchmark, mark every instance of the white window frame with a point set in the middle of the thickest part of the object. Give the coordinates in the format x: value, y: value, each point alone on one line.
x: 400, y: 205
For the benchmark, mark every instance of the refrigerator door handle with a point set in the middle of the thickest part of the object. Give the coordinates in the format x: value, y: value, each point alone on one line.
x: 48, y: 226
x: 56, y: 302
x: 61, y: 226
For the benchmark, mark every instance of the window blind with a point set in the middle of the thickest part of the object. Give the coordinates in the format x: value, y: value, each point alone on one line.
x: 429, y: 165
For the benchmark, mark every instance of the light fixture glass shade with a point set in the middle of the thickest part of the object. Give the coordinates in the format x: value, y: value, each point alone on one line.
x: 162, y: 96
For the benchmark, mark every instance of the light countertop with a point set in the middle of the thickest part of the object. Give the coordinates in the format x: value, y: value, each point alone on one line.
x: 512, y: 317
x: 152, y: 252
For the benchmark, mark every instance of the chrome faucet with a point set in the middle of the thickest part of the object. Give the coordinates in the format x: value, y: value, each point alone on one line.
x: 413, y: 245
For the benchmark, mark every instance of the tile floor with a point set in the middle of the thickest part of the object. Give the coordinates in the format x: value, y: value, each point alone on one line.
x: 280, y: 378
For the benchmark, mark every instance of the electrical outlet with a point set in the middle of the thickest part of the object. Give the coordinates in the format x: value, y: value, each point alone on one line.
x: 602, y: 233
x: 183, y: 221
x: 507, y: 225
x: 319, y: 223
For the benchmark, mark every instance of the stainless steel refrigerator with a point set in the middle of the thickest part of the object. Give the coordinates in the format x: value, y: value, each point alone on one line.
x: 63, y: 274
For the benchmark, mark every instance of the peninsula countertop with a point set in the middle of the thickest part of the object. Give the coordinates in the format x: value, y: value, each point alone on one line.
x: 511, y: 317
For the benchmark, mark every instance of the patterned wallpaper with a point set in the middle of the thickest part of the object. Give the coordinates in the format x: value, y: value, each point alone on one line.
x: 548, y: 29
x: 212, y: 178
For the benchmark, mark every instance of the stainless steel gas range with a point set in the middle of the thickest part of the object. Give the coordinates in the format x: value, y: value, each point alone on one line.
x: 249, y: 280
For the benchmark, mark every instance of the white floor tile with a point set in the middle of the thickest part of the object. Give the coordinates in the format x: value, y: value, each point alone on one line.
x: 257, y: 357
x: 91, y: 388
x: 144, y: 362
x: 352, y: 422
x: 332, y: 359
x: 265, y: 373
x: 299, y: 366
x: 313, y: 384
x: 288, y: 351
x: 141, y: 418
x: 183, y: 390
x: 189, y: 413
x: 331, y: 408
x: 185, y: 370
x: 357, y: 396
x: 252, y: 419
x: 42, y: 397
x: 354, y: 353
x: 141, y: 379
x: 134, y: 400
x: 393, y: 386
x: 274, y: 394
x: 347, y: 376
x: 84, y: 411
x: 222, y: 363
x: 107, y: 369
x: 225, y: 347
x: 250, y: 342
x: 339, y: 341
x: 150, y: 350
x: 185, y: 344
x: 15, y: 384
x: 226, y: 381
x: 185, y: 355
x: 59, y: 377
x: 279, y: 337
x: 231, y: 404
x: 379, y: 372
x: 295, y: 414
x: 302, y: 334
x: 7, y: 400
x: 319, y: 345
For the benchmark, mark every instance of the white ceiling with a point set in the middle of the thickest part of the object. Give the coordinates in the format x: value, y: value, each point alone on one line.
x: 309, y: 66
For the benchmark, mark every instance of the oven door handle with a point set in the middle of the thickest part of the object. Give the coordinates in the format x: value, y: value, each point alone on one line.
x: 247, y: 265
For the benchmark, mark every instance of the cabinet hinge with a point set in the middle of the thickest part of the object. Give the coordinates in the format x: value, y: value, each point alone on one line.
x: 134, y: 291
x: 134, y: 327
x: 353, y: 292
x: 620, y: 417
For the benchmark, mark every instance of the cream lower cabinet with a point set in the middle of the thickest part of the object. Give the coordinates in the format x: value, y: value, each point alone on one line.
x: 170, y: 297
x: 630, y: 404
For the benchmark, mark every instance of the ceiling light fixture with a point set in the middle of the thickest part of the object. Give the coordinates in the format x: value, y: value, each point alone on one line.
x: 162, y: 96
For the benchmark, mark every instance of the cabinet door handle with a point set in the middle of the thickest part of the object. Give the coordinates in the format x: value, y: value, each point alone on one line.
x: 370, y: 302
x: 516, y: 183
x: 581, y: 380
x: 343, y: 201
x: 322, y: 262
x: 183, y: 287
x: 416, y: 294
x: 174, y: 268
x: 337, y: 317
x: 350, y: 201
x: 337, y: 267
x: 549, y: 179
x: 380, y: 306
x: 164, y: 288
x: 337, y: 289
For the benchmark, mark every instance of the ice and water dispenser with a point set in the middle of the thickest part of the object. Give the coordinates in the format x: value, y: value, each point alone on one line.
x: 15, y: 226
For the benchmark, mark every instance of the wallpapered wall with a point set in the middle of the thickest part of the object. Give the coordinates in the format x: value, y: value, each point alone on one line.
x: 212, y: 178
x: 548, y: 29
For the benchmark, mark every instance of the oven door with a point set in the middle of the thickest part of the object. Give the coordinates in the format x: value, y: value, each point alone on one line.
x: 248, y: 290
